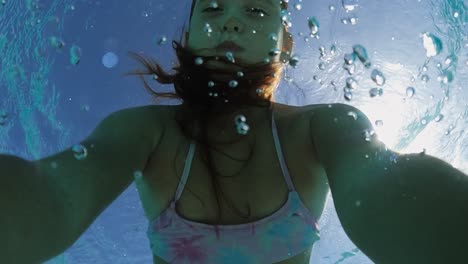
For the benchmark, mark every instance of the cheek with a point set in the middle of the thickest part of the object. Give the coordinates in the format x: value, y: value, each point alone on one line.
x: 264, y: 41
x: 264, y: 30
x: 260, y: 28
x: 258, y: 52
x: 260, y: 34
x: 200, y: 40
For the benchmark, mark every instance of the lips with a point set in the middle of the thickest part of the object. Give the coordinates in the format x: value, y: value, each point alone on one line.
x: 229, y: 46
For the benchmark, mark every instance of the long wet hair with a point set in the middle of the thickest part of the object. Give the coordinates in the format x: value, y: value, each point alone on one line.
x: 204, y: 97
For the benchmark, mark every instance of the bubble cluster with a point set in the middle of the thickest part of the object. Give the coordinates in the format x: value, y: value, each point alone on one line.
x: 241, y: 125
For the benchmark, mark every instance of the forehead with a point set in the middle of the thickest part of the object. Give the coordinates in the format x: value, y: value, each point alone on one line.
x: 268, y: 2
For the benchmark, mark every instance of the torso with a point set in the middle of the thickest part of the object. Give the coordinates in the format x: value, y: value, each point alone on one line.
x: 167, y: 162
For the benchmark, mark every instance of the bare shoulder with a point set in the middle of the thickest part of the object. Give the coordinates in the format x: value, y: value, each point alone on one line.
x: 307, y: 113
x: 151, y: 118
x: 327, y: 110
x: 313, y: 109
x: 320, y: 114
x: 166, y: 113
x: 297, y: 111
x: 145, y: 111
x: 162, y: 112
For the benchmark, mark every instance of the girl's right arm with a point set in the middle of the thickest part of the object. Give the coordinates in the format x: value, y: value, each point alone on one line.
x: 45, y: 205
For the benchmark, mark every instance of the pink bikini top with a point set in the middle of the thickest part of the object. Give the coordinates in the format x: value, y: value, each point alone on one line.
x: 285, y: 233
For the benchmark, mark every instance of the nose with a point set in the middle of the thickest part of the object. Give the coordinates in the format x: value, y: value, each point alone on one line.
x: 232, y: 25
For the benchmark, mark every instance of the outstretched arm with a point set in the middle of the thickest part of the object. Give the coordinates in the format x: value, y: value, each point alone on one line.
x: 396, y: 208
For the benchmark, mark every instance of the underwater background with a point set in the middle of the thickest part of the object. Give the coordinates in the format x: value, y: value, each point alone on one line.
x: 404, y: 63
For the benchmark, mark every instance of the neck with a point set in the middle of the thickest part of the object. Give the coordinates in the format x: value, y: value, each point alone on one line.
x: 222, y: 127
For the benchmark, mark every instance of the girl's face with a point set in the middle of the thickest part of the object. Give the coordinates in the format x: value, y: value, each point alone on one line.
x: 255, y: 25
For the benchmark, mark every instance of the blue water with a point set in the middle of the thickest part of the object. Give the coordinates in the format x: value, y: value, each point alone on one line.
x: 403, y: 63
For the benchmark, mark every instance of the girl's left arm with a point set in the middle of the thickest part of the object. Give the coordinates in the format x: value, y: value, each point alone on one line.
x: 396, y: 208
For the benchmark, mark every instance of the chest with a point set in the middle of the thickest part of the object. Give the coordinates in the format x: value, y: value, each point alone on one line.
x: 250, y: 174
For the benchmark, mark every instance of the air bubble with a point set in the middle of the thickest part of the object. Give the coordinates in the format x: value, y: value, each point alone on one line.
x: 353, y: 20
x: 274, y: 37
x: 410, y: 91
x: 75, y: 55
x: 353, y: 115
x: 349, y: 5
x: 351, y: 83
x: 240, y: 119
x: 432, y: 44
x: 57, y: 43
x: 351, y: 69
x: 213, y: 4
x: 333, y: 50
x: 375, y: 92
x: 350, y: 58
x: 313, y: 26
x: 233, y: 84
x: 348, y: 96
x: 368, y: 135
x: 198, y: 61
x: 361, y: 53
x: 243, y: 129
x: 207, y: 28
x: 321, y: 66
x: 274, y: 52
x: 425, y: 78
x: 294, y: 61
x: 447, y: 77
x: 378, y: 77
x: 79, y: 152
x: 230, y: 57
x: 439, y: 118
